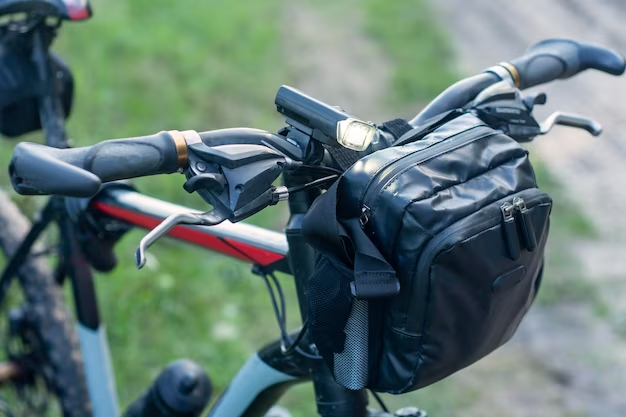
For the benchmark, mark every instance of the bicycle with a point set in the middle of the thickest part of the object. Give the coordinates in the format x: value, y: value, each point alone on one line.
x: 40, y: 354
x: 237, y: 182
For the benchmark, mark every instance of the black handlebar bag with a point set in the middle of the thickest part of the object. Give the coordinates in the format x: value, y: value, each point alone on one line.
x: 429, y: 256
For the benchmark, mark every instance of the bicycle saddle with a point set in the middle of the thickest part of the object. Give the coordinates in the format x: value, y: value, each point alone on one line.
x: 63, y: 9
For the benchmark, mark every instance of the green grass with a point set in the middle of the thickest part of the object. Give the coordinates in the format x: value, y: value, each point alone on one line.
x: 147, y: 65
x: 416, y: 44
x: 142, y: 66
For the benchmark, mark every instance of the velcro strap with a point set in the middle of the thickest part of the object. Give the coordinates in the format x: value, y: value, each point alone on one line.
x: 397, y: 127
x: 343, y: 240
x: 373, y: 276
x: 369, y: 285
x: 344, y: 157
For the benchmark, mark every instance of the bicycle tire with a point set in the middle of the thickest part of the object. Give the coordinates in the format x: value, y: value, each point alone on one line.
x: 48, y: 314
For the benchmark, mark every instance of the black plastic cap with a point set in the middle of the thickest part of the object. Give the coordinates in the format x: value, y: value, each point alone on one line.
x: 184, y: 388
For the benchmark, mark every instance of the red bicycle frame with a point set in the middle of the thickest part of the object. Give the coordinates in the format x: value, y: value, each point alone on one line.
x: 243, y: 241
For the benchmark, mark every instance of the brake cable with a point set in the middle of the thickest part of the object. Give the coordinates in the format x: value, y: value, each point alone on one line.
x: 282, y: 192
x: 293, y: 345
x: 286, y: 344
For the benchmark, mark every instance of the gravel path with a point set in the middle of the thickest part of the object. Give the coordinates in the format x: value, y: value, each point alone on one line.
x: 565, y: 360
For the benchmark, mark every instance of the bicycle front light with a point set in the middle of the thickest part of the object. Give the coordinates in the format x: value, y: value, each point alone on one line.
x: 355, y: 134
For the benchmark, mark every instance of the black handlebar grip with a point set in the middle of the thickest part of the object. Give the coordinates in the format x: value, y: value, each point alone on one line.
x: 79, y: 172
x: 553, y: 59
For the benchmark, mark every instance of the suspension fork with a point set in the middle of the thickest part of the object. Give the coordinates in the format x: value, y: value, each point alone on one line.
x: 332, y: 399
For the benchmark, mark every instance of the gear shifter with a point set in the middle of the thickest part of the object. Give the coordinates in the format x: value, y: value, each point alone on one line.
x: 503, y: 107
x: 235, y: 178
x: 532, y: 100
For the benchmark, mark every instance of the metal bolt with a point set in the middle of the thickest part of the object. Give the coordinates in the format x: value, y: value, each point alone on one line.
x: 201, y: 166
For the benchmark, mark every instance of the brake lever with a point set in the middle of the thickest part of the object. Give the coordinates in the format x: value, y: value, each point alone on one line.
x: 571, y: 120
x: 503, y: 107
x: 209, y: 218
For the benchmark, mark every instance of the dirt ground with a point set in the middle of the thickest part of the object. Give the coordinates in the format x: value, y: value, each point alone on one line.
x: 565, y: 360
x: 576, y: 361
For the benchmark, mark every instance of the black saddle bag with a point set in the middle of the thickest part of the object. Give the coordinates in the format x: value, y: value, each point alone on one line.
x: 430, y: 254
x: 20, y: 86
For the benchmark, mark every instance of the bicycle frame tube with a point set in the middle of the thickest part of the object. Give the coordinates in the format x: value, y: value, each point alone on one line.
x: 238, y: 240
x: 265, y: 377
x: 91, y: 332
x: 269, y: 373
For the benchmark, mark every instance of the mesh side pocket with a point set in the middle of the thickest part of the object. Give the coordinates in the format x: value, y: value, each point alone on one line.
x: 351, y: 365
x: 329, y: 303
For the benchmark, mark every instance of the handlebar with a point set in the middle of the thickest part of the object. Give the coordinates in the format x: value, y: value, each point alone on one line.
x: 79, y: 172
x: 456, y: 96
x: 554, y: 59
x: 542, y: 63
x: 36, y: 169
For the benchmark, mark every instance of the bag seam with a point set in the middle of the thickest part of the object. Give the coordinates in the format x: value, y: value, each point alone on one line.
x: 524, y: 156
x: 403, y: 213
x: 392, y: 180
x: 410, y: 153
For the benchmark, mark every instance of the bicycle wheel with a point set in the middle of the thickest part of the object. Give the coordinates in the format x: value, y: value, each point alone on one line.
x: 40, y: 357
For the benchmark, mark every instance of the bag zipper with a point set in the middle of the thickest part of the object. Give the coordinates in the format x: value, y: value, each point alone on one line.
x: 510, y: 230
x: 528, y: 231
x: 415, y: 158
x: 432, y: 248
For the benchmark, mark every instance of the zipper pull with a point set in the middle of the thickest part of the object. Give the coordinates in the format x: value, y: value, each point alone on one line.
x: 510, y: 231
x: 527, y: 226
x: 365, y: 215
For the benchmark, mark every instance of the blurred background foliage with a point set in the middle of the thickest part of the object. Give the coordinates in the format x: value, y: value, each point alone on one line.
x: 142, y: 66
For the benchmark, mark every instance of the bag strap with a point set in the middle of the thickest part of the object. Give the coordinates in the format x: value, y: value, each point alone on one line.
x: 344, y: 157
x: 401, y: 130
x: 373, y: 276
x: 344, y: 241
x: 397, y: 127
x: 428, y: 126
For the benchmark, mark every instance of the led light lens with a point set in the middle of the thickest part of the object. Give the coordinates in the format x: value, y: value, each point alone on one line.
x: 355, y: 134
